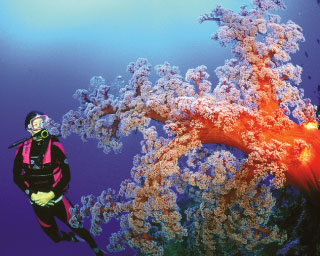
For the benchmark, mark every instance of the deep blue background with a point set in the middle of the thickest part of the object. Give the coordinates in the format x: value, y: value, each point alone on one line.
x: 48, y: 49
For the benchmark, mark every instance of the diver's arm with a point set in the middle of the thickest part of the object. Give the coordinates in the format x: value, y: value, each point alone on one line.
x: 60, y: 157
x: 17, y: 177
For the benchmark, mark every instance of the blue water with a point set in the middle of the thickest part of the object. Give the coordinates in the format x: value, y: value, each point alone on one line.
x: 48, y: 49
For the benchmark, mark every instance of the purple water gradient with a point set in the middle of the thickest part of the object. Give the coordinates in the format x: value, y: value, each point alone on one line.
x: 45, y: 80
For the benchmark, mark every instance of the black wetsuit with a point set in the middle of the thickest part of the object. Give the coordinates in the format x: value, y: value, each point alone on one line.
x: 28, y: 184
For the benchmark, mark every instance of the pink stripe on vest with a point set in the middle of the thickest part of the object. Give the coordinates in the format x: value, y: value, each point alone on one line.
x: 57, y: 176
x: 47, y: 155
x: 26, y: 151
x: 59, y: 145
x: 18, y: 148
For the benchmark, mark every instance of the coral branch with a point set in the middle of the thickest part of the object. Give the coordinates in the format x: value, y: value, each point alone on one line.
x: 230, y: 200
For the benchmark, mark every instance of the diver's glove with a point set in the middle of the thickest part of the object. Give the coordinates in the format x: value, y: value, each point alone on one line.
x: 43, y: 198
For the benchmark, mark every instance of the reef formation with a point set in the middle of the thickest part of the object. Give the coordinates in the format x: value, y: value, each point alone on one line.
x: 209, y: 200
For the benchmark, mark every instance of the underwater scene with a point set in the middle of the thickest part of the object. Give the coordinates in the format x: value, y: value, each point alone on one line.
x: 190, y: 127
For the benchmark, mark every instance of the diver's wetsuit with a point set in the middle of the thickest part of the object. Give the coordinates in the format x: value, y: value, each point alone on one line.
x: 22, y: 174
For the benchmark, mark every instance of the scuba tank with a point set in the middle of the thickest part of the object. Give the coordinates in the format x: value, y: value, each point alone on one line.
x: 41, y: 134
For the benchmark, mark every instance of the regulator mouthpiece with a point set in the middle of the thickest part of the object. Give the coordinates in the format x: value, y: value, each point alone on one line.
x: 43, y: 134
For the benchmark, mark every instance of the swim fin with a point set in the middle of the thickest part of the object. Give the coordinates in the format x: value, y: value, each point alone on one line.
x: 99, y: 252
x: 71, y: 237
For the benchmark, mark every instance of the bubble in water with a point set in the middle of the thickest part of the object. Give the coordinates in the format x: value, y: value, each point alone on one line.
x: 96, y: 81
x: 116, y: 85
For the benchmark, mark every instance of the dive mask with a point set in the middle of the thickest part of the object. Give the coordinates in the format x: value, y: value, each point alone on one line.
x: 38, y: 122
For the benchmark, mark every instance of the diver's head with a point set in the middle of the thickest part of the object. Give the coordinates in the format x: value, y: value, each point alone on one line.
x: 35, y: 121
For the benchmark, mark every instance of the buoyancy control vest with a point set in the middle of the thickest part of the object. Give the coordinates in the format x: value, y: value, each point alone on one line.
x: 41, y: 174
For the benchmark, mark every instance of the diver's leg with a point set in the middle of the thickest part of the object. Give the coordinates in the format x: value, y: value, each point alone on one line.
x: 47, y: 222
x: 62, y: 212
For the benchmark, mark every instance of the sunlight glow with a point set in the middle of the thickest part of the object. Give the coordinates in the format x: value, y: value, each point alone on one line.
x: 310, y: 126
x: 305, y: 155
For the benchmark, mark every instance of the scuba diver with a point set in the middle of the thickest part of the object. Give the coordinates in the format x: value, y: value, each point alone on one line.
x: 42, y: 172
